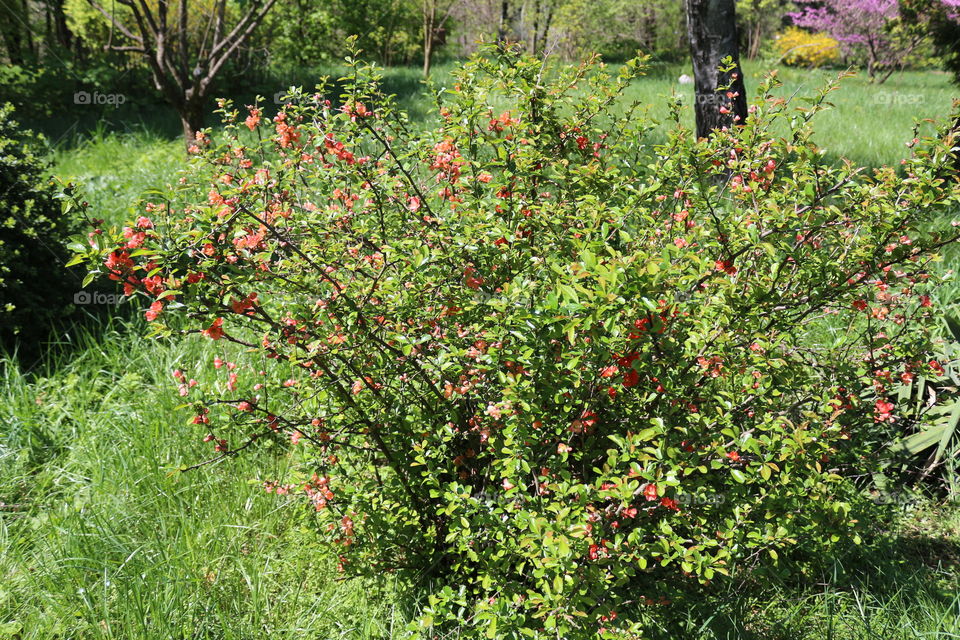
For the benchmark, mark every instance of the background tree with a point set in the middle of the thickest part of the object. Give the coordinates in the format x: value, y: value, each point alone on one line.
x: 15, y: 29
x: 32, y: 30
x: 866, y: 30
x: 617, y: 29
x: 436, y: 14
x: 759, y: 19
x: 940, y: 20
x: 712, y: 29
x: 183, y: 68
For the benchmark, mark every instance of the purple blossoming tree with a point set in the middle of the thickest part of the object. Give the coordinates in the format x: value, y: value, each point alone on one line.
x: 865, y: 30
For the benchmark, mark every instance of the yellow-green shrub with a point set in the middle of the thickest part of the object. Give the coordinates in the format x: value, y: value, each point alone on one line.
x: 804, y: 49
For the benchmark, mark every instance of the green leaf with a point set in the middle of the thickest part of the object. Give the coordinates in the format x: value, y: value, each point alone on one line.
x: 953, y: 326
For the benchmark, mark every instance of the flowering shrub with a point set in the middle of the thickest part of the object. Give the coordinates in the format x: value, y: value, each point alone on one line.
x: 881, y: 34
x: 804, y: 49
x: 525, y: 358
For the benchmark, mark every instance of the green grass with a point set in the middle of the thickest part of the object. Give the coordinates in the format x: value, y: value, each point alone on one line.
x: 116, y: 169
x: 101, y: 537
x: 869, y: 124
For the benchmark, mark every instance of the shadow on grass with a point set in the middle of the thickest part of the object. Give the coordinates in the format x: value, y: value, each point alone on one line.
x: 67, y: 120
x: 899, y: 584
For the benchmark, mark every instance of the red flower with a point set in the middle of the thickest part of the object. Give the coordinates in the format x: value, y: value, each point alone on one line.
x: 650, y: 492
x: 669, y: 503
x: 472, y: 281
x: 734, y: 456
x: 883, y: 411
x: 609, y: 372
x: 727, y: 267
x: 240, y: 306
x: 253, y: 119
x: 117, y: 263
x: 215, y: 330
x: 631, y: 378
x: 154, y: 310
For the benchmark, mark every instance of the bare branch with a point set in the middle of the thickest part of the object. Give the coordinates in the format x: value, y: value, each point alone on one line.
x: 116, y: 23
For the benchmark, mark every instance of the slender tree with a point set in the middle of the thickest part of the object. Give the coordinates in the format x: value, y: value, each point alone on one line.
x: 720, y: 95
x: 504, y: 25
x: 182, y: 67
x: 435, y: 13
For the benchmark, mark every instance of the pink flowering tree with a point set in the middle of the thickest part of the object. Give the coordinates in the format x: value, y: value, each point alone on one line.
x: 867, y: 31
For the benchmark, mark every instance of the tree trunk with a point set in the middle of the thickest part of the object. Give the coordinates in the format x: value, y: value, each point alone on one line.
x: 504, y: 21
x: 536, y: 27
x: 756, y: 38
x: 429, y: 31
x: 191, y: 118
x: 64, y: 37
x: 13, y: 42
x: 28, y: 34
x: 720, y: 100
x: 548, y: 19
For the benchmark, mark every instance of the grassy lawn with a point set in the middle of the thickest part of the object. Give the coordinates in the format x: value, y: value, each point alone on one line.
x: 100, y: 540
x: 101, y: 537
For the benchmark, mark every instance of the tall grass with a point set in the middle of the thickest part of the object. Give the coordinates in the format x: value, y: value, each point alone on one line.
x: 102, y: 537
x: 115, y: 168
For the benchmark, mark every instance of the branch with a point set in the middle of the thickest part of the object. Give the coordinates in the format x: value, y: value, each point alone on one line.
x: 116, y: 23
x: 222, y: 50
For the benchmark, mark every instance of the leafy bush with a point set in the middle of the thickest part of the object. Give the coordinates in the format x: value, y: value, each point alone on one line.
x: 522, y: 357
x: 35, y: 288
x: 801, y: 48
